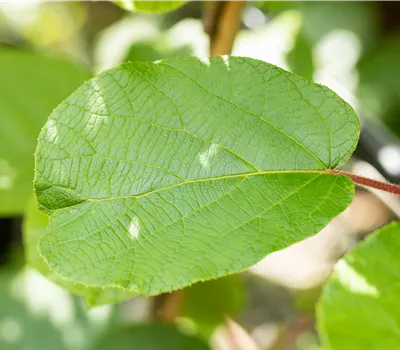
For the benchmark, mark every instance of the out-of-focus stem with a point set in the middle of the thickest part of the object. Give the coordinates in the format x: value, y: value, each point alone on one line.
x: 166, y: 307
x: 222, y: 20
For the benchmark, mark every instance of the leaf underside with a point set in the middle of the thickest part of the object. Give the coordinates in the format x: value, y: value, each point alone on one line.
x: 359, y: 307
x: 158, y: 175
x: 34, y: 226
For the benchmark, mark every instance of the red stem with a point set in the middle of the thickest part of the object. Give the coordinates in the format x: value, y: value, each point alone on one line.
x: 364, y: 181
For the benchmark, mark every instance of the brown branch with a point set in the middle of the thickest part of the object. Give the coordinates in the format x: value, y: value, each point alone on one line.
x: 166, y: 307
x: 222, y: 20
x: 365, y: 181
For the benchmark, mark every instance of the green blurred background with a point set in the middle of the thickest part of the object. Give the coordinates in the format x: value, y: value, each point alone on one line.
x: 47, y: 49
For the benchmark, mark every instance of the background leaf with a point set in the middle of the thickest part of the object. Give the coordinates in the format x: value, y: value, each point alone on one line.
x: 35, y: 314
x: 151, y: 189
x: 150, y: 337
x: 150, y: 6
x: 148, y: 51
x: 379, y: 88
x: 31, y: 86
x: 358, y: 308
x: 300, y: 59
x: 207, y: 304
x: 321, y: 18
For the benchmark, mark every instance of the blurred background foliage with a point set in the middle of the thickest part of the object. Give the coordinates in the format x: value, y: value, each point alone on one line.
x: 47, y: 49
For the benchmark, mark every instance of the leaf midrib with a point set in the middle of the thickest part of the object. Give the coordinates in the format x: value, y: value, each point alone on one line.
x: 216, y: 178
x: 297, y: 190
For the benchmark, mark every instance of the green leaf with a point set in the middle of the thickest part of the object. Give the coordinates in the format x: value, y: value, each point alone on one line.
x: 300, y: 59
x: 378, y: 90
x: 150, y: 337
x: 37, y: 315
x: 150, y: 51
x: 359, y: 307
x: 150, y: 6
x: 322, y: 18
x: 207, y: 304
x: 31, y: 86
x: 34, y: 226
x: 159, y: 175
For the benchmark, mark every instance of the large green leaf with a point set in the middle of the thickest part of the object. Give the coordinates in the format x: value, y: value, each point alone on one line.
x: 158, y: 175
x: 31, y: 86
x: 359, y: 307
x: 34, y: 226
x: 150, y: 337
x: 150, y: 6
